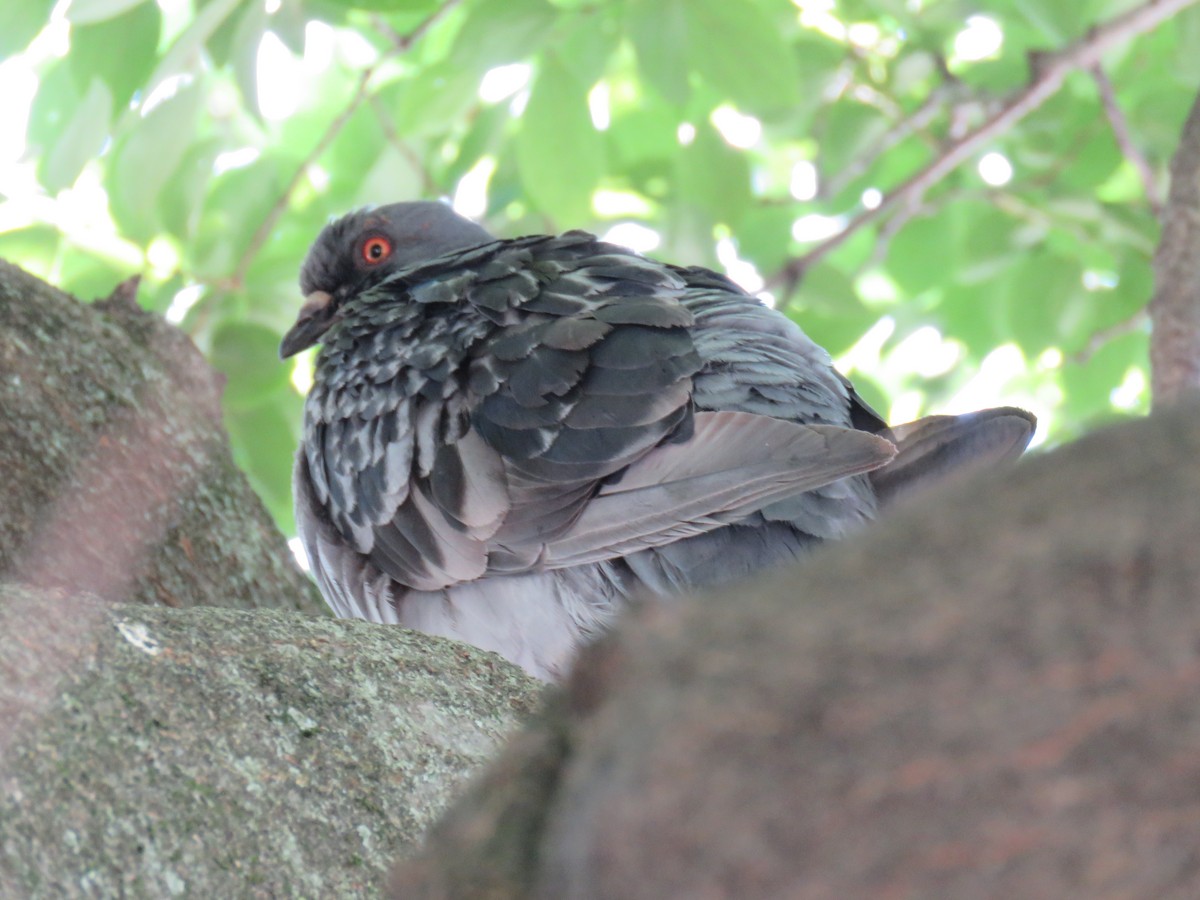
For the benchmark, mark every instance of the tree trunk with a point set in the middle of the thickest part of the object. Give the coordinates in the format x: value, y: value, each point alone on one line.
x: 119, y: 480
x: 1175, y: 308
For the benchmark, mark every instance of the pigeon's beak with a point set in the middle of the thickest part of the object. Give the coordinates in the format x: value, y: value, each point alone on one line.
x: 316, y: 315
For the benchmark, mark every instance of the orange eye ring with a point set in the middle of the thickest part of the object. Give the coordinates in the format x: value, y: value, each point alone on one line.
x: 375, y: 250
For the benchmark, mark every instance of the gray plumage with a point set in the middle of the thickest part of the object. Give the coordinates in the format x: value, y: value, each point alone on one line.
x: 507, y: 440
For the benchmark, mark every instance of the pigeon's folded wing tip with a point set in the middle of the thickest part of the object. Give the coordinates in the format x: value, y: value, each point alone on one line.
x: 931, y: 448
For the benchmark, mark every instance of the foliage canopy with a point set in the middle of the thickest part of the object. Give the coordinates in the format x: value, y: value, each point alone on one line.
x: 205, y: 142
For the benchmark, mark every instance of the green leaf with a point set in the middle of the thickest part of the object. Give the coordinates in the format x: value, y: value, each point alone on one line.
x: 179, y: 55
x: 559, y: 152
x: 829, y: 311
x: 738, y: 49
x: 182, y: 196
x: 1186, y: 58
x: 81, y: 140
x: 219, y: 43
x: 764, y: 236
x: 1087, y: 385
x: 590, y: 40
x: 87, y: 12
x: 387, y: 6
x: 354, y: 151
x: 53, y: 106
x: 87, y: 276
x: 818, y: 61
x: 922, y: 254
x: 244, y: 53
x: 1058, y: 22
x: 1135, y: 284
x: 1096, y: 159
x: 644, y: 136
x: 826, y: 289
x: 235, y: 207
x: 248, y: 354
x: 1045, y: 303
x: 988, y: 245
x: 483, y: 137
x: 497, y: 32
x: 973, y: 315
x: 136, y: 32
x: 659, y: 31
x: 427, y: 101
x: 713, y: 177
x: 290, y: 22
x: 157, y: 297
x: 145, y: 160
x: 851, y: 128
x: 34, y: 248
x: 20, y: 23
x: 731, y: 44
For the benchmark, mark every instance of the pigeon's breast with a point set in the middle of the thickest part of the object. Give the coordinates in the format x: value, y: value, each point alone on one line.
x: 374, y: 362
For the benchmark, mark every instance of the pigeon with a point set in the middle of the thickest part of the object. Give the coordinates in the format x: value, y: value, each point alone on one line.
x: 508, y: 441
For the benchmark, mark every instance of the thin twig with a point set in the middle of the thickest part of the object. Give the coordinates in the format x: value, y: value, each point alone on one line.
x: 1124, y: 137
x: 267, y: 225
x: 1135, y: 322
x: 401, y: 44
x: 428, y: 185
x: 915, y: 122
x: 1050, y: 71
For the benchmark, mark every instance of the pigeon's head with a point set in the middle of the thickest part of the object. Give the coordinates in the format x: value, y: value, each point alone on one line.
x: 363, y: 248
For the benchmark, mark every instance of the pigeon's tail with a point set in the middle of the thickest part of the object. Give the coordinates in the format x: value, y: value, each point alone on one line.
x: 932, y: 448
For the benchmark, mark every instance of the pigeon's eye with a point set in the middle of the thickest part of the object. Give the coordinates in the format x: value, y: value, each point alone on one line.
x: 375, y: 250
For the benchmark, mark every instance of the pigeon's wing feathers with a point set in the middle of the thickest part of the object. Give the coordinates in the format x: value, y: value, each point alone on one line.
x: 734, y: 464
x: 439, y: 535
x: 468, y: 484
x: 934, y: 447
x: 595, y: 371
x: 758, y: 361
x: 862, y: 414
x: 340, y: 571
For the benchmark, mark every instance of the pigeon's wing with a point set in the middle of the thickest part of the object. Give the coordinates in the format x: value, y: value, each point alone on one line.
x: 733, y: 465
x: 594, y: 373
x: 934, y: 447
x: 349, y: 583
x: 426, y: 532
x: 758, y: 361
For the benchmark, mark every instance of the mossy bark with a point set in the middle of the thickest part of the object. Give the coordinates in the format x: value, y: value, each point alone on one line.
x: 151, y: 743
x: 118, y: 478
x: 151, y: 752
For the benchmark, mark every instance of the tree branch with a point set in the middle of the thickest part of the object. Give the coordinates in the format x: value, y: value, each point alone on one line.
x: 1128, y: 325
x: 946, y: 93
x: 1175, y: 308
x: 1049, y: 72
x: 428, y: 184
x: 402, y: 43
x: 1124, y: 139
x: 277, y: 209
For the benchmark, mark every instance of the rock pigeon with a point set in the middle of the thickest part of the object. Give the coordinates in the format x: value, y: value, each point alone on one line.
x: 507, y: 441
